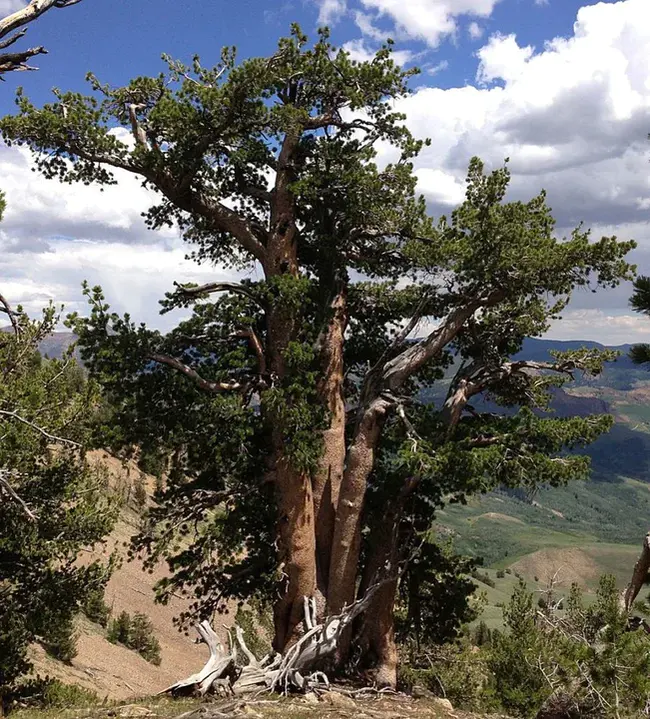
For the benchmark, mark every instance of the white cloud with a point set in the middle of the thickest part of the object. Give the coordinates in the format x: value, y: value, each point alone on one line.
x: 502, y: 59
x: 54, y: 236
x: 439, y: 67
x: 474, y: 30
x: 367, y: 27
x: 331, y: 11
x: 601, y: 326
x: 360, y: 52
x: 429, y: 20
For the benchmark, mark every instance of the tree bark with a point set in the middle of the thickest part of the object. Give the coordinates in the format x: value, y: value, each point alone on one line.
x: 346, y: 541
x: 329, y: 474
x: 639, y: 575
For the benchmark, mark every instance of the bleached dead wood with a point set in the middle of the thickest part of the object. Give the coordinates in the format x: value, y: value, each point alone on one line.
x: 297, y: 669
x: 218, y: 666
x: 639, y: 575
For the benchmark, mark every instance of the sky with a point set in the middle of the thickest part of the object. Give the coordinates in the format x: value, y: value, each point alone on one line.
x: 561, y: 87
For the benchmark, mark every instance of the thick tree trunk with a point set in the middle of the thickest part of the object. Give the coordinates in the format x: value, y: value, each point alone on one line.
x: 386, y: 549
x: 329, y: 474
x: 346, y: 541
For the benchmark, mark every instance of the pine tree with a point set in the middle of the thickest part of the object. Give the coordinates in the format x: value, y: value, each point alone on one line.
x: 51, y: 502
x: 303, y: 461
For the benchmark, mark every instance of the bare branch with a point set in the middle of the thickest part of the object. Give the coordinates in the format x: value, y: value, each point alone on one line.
x: 17, y: 61
x: 192, y: 374
x: 4, y: 484
x: 29, y: 13
x: 47, y: 435
x: 210, y: 287
x: 256, y: 346
x: 6, y: 308
x: 12, y: 39
x: 139, y: 135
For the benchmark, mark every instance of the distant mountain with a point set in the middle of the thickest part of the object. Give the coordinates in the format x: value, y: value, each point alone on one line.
x: 54, y: 345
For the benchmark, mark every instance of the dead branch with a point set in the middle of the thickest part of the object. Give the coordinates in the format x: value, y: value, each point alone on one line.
x: 297, y: 669
x: 47, y: 435
x: 18, y: 60
x: 639, y: 575
x: 6, y: 486
x: 211, y: 287
x: 6, y: 308
x: 203, y: 383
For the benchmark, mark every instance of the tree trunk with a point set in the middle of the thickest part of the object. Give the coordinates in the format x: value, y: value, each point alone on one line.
x: 639, y: 575
x: 346, y: 541
x: 328, y: 476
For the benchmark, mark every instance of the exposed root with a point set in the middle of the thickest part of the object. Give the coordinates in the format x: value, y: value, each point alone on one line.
x: 298, y: 669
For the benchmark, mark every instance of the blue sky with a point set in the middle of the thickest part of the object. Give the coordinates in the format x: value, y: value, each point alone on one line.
x: 118, y: 39
x: 562, y: 87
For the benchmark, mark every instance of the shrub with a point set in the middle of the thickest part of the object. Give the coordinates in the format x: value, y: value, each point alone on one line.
x: 454, y: 672
x: 143, y: 640
x: 135, y: 633
x: 120, y: 629
x: 61, y: 640
x: 483, y: 577
x: 96, y: 609
x: 500, y: 574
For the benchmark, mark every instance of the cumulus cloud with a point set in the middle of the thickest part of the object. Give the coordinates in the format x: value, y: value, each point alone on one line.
x: 54, y: 236
x: 427, y: 20
x: 331, y: 11
x: 361, y: 52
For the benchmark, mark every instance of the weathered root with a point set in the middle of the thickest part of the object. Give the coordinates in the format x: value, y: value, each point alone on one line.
x: 219, y: 666
x: 299, y: 668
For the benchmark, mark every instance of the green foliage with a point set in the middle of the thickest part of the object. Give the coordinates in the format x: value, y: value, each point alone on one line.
x: 453, y: 671
x: 52, y: 502
x: 135, y: 632
x: 584, y: 657
x: 48, y: 693
x: 60, y: 641
x: 119, y: 630
x: 96, y: 609
x: 489, y: 275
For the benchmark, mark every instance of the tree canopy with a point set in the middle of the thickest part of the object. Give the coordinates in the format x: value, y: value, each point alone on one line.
x: 302, y: 462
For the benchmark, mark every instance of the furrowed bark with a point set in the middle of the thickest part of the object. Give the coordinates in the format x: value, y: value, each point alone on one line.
x: 386, y: 550
x: 329, y: 474
x: 347, y: 528
x: 296, y: 530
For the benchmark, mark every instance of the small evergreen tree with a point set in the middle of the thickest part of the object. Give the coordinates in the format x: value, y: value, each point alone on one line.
x: 52, y: 503
x: 60, y: 641
x: 96, y: 609
x: 143, y: 640
x: 119, y: 630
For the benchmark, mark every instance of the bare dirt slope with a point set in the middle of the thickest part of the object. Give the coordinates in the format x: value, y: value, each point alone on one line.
x: 114, y: 671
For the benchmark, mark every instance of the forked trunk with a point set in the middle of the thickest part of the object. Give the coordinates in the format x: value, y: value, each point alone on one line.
x: 346, y: 541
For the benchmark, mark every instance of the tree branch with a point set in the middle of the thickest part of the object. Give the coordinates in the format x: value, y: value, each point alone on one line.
x: 4, y: 484
x: 29, y: 13
x: 17, y: 61
x: 6, y: 308
x: 47, y: 435
x: 210, y: 287
x: 192, y: 374
x: 256, y: 346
